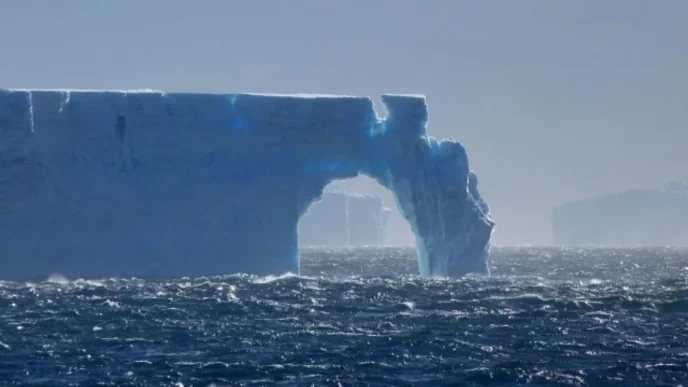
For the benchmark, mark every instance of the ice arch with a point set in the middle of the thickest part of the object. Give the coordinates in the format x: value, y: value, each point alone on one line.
x: 115, y: 183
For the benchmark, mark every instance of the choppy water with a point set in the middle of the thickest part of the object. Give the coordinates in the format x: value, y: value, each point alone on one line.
x: 548, y: 316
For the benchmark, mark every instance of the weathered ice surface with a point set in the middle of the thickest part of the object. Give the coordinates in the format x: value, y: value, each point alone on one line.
x: 344, y: 218
x: 122, y: 183
x: 641, y: 217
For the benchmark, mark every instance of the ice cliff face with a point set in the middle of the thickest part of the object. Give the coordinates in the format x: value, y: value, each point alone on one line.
x: 114, y: 183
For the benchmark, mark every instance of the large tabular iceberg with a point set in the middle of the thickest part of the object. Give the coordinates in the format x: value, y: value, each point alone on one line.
x: 655, y: 216
x: 120, y: 183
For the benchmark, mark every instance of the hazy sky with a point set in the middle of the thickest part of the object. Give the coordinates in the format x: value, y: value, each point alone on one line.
x: 554, y: 100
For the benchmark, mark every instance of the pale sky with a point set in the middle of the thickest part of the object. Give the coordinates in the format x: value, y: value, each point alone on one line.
x: 555, y: 100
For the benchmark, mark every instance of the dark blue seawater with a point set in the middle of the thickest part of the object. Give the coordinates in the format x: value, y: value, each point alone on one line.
x: 361, y: 317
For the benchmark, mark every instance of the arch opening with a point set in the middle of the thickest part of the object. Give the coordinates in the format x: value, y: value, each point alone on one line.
x: 430, y: 181
x: 353, y: 212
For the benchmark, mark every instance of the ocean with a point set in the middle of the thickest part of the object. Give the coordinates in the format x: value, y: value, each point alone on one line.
x: 362, y: 317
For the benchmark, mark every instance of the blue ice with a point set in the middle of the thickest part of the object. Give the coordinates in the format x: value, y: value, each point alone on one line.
x: 138, y: 183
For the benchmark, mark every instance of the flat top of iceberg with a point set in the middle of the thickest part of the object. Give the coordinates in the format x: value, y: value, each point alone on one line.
x: 410, y: 96
x: 300, y: 95
x: 155, y: 91
x: 91, y: 90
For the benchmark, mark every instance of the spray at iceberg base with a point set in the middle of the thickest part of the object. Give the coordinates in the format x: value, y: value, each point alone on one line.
x: 137, y: 183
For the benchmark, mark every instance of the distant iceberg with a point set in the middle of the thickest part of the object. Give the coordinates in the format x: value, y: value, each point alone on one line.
x: 344, y: 218
x: 137, y: 183
x: 640, y: 217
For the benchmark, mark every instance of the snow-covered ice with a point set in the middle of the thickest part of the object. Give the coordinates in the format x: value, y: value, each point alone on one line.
x: 121, y: 183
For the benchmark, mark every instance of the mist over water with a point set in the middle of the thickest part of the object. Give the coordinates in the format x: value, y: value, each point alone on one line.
x: 547, y: 316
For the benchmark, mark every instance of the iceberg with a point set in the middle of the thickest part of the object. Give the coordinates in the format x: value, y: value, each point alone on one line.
x: 656, y: 216
x: 147, y: 183
x: 344, y: 218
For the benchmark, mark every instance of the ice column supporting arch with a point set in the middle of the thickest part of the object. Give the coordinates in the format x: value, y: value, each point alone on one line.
x: 434, y: 189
